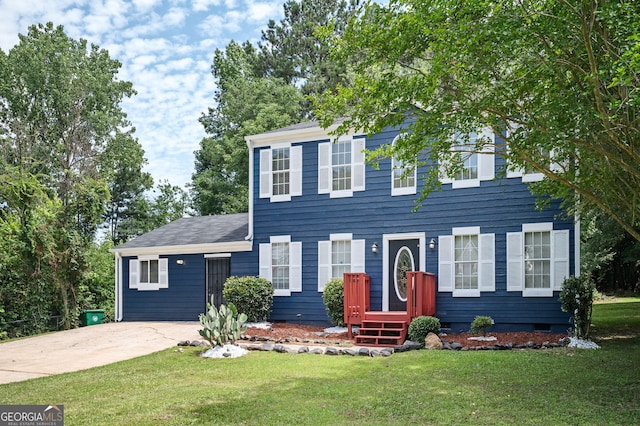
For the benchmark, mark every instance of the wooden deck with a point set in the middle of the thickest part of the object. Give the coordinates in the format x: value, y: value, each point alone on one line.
x: 387, y: 328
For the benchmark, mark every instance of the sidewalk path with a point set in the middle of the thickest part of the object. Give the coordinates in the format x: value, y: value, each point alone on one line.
x: 87, y: 347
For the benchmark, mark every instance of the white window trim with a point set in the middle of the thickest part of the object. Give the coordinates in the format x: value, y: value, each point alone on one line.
x: 295, y: 173
x: 324, y: 257
x: 559, y: 268
x: 325, y: 167
x: 486, y: 165
x: 486, y: 262
x: 134, y: 273
x: 295, y: 264
x: 408, y: 190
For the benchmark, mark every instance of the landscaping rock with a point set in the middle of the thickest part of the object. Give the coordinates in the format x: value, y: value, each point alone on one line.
x: 363, y: 352
x: 456, y: 346
x: 331, y: 351
x: 280, y: 349
x: 386, y: 352
x: 349, y: 352
x: 303, y: 349
x: 197, y: 343
x: 318, y: 351
x: 432, y: 341
x: 184, y: 343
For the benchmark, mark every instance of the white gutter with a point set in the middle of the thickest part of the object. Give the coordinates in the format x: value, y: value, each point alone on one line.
x: 249, y: 142
x: 118, y: 289
x: 577, y: 244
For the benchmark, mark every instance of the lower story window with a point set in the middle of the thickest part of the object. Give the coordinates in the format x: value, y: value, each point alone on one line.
x: 340, y: 258
x: 149, y: 271
x: 280, y: 266
x: 466, y: 262
x: 537, y: 260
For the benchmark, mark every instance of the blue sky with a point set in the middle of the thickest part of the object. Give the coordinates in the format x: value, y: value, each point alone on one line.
x: 166, y: 49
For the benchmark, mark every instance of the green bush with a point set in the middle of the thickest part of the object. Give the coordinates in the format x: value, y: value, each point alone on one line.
x: 421, y: 326
x: 333, y: 298
x: 223, y: 325
x: 251, y: 295
x: 576, y: 297
x: 480, y: 324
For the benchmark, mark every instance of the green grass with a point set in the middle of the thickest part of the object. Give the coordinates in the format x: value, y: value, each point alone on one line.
x: 543, y: 387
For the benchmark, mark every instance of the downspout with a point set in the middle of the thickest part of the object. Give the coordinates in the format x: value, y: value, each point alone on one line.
x: 118, y: 284
x: 249, y: 236
x: 577, y: 242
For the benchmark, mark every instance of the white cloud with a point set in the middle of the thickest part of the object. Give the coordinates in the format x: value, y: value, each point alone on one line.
x: 261, y: 12
x: 174, y: 16
x: 204, y: 5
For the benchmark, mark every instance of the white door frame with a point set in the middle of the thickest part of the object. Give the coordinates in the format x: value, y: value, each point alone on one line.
x: 422, y: 262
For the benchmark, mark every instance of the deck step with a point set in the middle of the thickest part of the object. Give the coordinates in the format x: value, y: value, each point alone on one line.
x: 382, y: 332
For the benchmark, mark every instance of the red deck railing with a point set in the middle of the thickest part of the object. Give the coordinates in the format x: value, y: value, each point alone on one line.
x: 421, y: 299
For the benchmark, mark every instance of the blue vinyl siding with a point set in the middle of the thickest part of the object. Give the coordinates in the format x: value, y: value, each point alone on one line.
x: 185, y: 298
x: 497, y: 206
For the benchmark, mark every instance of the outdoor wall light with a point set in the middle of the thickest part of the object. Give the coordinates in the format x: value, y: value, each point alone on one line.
x: 374, y: 248
x: 432, y: 244
x: 180, y: 262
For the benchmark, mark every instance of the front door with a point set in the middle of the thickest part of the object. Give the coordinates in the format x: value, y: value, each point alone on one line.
x: 404, y: 256
x: 218, y: 270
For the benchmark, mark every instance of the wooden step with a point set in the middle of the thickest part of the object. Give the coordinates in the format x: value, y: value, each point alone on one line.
x: 383, y: 332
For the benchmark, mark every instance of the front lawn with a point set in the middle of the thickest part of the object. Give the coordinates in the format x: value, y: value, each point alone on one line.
x: 533, y: 387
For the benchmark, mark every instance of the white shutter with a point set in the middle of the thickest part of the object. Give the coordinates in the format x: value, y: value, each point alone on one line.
x: 515, y: 266
x: 560, y: 258
x: 443, y: 174
x: 324, y: 263
x: 324, y: 168
x: 295, y: 266
x: 134, y: 273
x: 357, y: 177
x: 265, y: 261
x: 295, y: 170
x: 486, y: 262
x: 357, y: 255
x: 163, y: 273
x: 445, y: 263
x: 265, y: 173
x: 486, y: 162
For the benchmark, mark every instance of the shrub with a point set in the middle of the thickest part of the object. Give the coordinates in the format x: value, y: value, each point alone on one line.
x: 333, y: 298
x: 421, y: 326
x: 480, y: 324
x: 576, y: 297
x: 223, y: 325
x: 251, y: 295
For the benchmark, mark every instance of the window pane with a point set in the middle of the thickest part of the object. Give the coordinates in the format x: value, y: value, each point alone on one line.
x: 469, y: 159
x: 144, y: 271
x: 341, y: 165
x: 280, y: 266
x: 537, y: 253
x: 153, y: 272
x: 340, y: 258
x: 280, y: 166
x: 466, y: 262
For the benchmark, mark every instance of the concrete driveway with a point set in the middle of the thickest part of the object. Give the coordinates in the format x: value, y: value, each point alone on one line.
x: 87, y: 347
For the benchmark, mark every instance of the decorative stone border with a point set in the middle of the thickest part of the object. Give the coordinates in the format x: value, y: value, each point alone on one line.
x: 323, y: 347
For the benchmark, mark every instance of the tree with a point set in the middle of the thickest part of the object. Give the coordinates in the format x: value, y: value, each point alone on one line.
x: 170, y: 204
x: 246, y: 104
x: 262, y: 89
x: 554, y: 77
x: 292, y: 51
x: 127, y: 212
x: 59, y: 110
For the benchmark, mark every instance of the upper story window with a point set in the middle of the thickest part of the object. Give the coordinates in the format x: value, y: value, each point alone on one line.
x: 340, y: 254
x: 281, y: 172
x: 476, y: 166
x: 403, y: 176
x: 529, y: 173
x: 281, y: 263
x: 537, y: 260
x: 341, y: 167
x: 466, y: 262
x: 149, y: 273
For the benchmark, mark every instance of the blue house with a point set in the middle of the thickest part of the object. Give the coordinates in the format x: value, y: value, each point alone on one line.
x: 317, y: 210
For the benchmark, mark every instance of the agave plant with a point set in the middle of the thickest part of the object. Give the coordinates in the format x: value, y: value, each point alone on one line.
x: 222, y: 325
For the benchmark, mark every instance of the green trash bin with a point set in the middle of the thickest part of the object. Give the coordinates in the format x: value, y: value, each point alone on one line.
x: 91, y: 316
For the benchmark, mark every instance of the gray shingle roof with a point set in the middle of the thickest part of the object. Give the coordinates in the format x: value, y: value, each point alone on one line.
x: 194, y: 230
